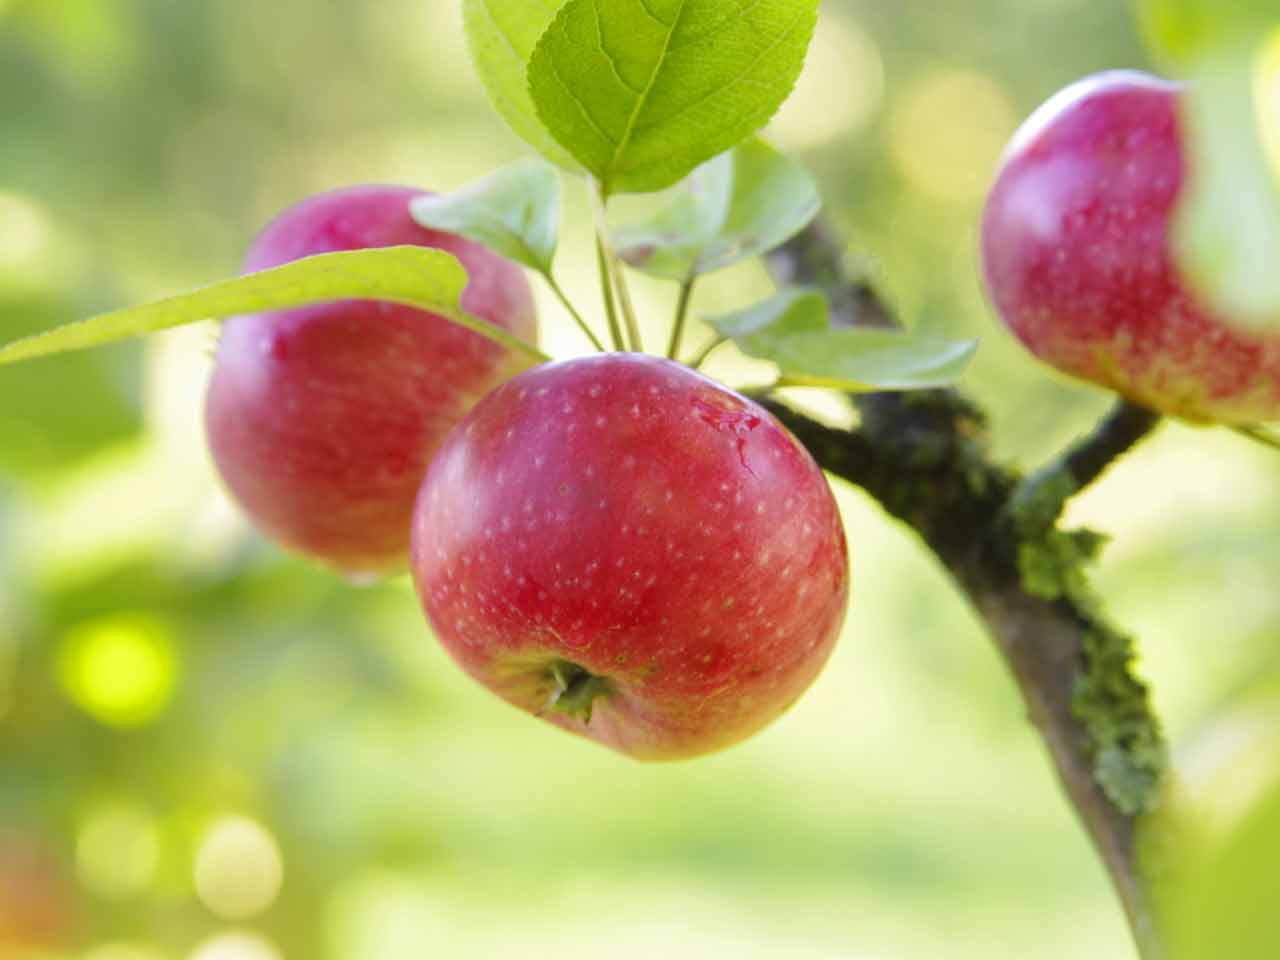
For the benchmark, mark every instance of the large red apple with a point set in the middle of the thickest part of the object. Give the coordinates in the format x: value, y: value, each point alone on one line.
x: 322, y: 419
x: 1078, y: 259
x: 633, y: 552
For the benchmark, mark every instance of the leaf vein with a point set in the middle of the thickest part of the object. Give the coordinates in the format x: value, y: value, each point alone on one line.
x: 644, y: 96
x: 497, y: 28
x: 644, y: 5
x: 604, y: 51
x: 577, y: 102
x: 746, y: 72
x: 697, y: 38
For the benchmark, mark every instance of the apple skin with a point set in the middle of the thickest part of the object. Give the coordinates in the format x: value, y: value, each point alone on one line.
x: 1078, y: 259
x: 626, y: 519
x: 322, y: 419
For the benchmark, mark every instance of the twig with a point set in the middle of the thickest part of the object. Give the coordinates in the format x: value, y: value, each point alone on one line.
x: 606, y: 292
x: 577, y: 317
x: 682, y: 314
x: 1258, y: 434
x: 1040, y: 497
x: 1123, y: 427
x: 609, y: 264
x: 701, y: 356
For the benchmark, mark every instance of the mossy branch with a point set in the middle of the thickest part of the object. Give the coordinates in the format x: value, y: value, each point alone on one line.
x: 924, y: 457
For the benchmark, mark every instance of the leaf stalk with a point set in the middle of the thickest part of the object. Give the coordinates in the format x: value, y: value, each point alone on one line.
x: 611, y: 270
x: 577, y: 317
x: 682, y: 314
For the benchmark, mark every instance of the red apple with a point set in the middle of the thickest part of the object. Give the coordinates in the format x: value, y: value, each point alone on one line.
x: 322, y: 419
x: 1076, y: 243
x: 633, y: 552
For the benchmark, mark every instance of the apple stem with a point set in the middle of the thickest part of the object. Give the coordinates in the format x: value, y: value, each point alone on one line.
x: 611, y: 272
x: 576, y: 689
x: 1258, y: 435
x: 577, y: 317
x: 701, y: 356
x: 1039, y: 499
x: 606, y: 287
x: 682, y: 313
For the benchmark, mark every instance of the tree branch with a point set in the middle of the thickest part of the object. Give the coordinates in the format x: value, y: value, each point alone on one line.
x: 1122, y: 429
x: 1040, y: 498
x: 923, y: 456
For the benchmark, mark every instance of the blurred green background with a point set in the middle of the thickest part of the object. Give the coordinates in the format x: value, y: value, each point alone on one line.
x: 210, y: 750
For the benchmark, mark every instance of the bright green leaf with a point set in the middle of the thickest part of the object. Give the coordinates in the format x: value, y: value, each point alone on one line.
x: 738, y: 205
x: 416, y: 276
x: 790, y: 311
x: 669, y: 244
x: 643, y: 91
x: 502, y: 35
x: 515, y: 212
x: 791, y: 329
x: 1227, y: 231
x: 864, y: 358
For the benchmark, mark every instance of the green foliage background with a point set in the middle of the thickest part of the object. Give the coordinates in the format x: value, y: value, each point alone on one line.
x: 902, y: 810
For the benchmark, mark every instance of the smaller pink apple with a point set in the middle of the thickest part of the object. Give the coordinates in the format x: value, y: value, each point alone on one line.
x: 1078, y: 260
x: 322, y: 419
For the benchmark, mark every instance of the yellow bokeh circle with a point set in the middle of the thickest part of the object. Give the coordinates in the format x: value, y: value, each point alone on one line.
x: 120, y: 669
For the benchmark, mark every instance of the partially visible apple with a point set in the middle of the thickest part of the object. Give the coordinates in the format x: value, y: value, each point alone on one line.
x: 1078, y: 258
x: 633, y: 552
x: 36, y: 898
x: 322, y: 419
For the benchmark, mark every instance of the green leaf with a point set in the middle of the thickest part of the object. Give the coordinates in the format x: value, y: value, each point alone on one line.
x: 790, y: 311
x: 416, y: 276
x: 864, y: 359
x: 515, y: 212
x: 1227, y: 227
x: 643, y: 91
x: 791, y: 330
x: 738, y: 205
x: 502, y: 35
x: 669, y: 244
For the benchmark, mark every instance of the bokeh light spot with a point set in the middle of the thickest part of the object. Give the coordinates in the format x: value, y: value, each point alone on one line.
x: 117, y: 851
x: 838, y: 93
x: 238, y: 870
x: 26, y: 234
x: 236, y: 946
x: 120, y: 669
x: 947, y: 130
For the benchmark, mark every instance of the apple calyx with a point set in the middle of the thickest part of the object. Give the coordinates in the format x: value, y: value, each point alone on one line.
x: 575, y: 690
